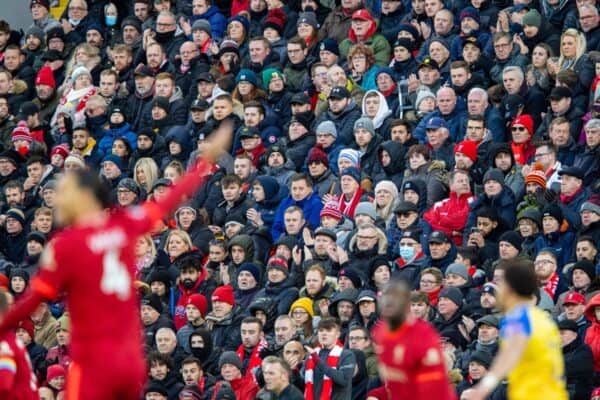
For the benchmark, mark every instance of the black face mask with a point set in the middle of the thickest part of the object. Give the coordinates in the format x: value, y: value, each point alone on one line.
x: 188, y: 284
x: 200, y: 353
x: 117, y: 126
x: 164, y: 37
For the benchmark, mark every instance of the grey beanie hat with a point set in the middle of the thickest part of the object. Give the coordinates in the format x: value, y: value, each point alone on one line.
x: 458, y: 269
x: 327, y: 127
x: 365, y: 123
x: 230, y: 357
x: 422, y: 95
x: 366, y: 208
x: 202, y: 25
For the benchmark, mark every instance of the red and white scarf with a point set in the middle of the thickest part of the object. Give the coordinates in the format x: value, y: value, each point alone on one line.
x: 332, y: 361
x: 348, y: 207
x: 551, y: 286
x: 255, y: 359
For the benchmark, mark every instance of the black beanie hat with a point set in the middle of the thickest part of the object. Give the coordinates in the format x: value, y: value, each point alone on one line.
x: 513, y: 238
x: 587, y: 267
x: 153, y: 301
x: 554, y: 211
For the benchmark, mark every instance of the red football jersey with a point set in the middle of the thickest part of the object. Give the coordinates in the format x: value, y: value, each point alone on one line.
x: 17, y: 381
x: 411, y: 362
x: 95, y: 266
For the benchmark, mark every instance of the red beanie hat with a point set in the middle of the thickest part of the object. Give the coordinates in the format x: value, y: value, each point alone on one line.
x: 468, y: 148
x: 318, y: 155
x: 62, y: 149
x: 224, y: 294
x: 21, y: 132
x: 198, y: 301
x: 536, y: 175
x: 54, y: 371
x: 45, y: 77
x: 524, y: 120
x: 332, y: 210
x: 27, y: 325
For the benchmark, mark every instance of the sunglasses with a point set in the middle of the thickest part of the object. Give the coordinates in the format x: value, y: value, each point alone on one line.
x: 518, y: 128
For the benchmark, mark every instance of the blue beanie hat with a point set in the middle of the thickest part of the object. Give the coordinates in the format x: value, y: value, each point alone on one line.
x: 242, y: 20
x: 253, y: 269
x: 352, y: 172
x: 246, y: 75
x: 330, y: 45
x: 114, y: 159
x: 269, y: 185
x: 385, y: 70
x: 351, y: 155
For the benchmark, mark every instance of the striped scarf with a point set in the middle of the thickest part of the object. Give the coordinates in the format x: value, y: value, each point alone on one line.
x: 551, y: 286
x: 255, y: 359
x: 332, y: 361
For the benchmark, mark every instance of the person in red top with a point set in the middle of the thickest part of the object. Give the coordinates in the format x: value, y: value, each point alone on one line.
x: 92, y: 262
x: 17, y: 381
x: 521, y: 130
x: 450, y: 215
x: 411, y: 363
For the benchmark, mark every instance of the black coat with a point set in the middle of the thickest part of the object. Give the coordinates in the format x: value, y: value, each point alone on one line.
x: 238, y: 210
x: 579, y: 369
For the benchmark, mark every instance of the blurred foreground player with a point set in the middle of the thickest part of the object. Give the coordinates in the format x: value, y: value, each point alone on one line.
x: 530, y: 348
x: 17, y: 381
x: 410, y: 356
x: 92, y: 263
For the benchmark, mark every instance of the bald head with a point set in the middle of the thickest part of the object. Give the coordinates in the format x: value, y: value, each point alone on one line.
x: 446, y: 100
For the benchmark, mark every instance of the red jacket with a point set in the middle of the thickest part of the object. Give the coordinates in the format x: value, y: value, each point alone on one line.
x: 592, y: 336
x: 450, y: 215
x: 245, y: 388
x: 17, y: 381
x: 411, y: 362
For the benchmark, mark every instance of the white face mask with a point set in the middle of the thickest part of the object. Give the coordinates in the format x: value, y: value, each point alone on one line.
x: 597, y: 312
x: 74, y: 21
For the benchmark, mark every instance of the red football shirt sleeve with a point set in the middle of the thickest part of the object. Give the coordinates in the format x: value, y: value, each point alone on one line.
x: 185, y: 187
x: 432, y: 377
x: 46, y: 285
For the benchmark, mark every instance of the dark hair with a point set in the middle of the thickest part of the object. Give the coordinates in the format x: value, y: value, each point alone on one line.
x: 548, y: 144
x: 476, y: 117
x: 419, y: 149
x: 586, y: 238
x: 231, y: 179
x: 301, y: 177
x: 328, y: 323
x: 471, y: 253
x: 35, y: 160
x: 253, y: 320
x: 13, y: 185
x: 255, y: 104
x: 519, y: 275
x: 158, y: 358
x: 299, y: 41
x: 4, y: 26
x: 192, y: 360
x: 90, y: 181
x: 400, y: 122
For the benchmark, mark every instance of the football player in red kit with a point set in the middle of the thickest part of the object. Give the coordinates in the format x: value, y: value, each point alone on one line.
x: 17, y: 381
x: 92, y: 262
x: 410, y: 356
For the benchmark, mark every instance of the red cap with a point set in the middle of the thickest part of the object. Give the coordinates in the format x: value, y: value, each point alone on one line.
x: 224, y: 294
x: 574, y: 298
x: 468, y: 148
x: 363, y: 14
x: 62, y: 149
x: 198, y: 301
x: 54, y: 371
x: 524, y: 120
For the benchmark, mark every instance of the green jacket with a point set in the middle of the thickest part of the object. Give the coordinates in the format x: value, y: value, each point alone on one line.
x: 380, y: 46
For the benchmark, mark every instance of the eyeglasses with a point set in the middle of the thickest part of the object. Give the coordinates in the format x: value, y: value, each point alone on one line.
x: 518, y: 128
x: 540, y: 155
x: 501, y: 45
x: 77, y: 8
x: 403, y: 214
x: 164, y: 25
x: 543, y: 262
x: 124, y: 191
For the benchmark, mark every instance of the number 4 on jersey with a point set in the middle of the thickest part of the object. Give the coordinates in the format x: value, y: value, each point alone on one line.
x: 115, y: 277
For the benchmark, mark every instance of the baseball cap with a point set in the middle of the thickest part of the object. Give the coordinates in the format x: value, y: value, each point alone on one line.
x: 436, y: 123
x: 560, y: 92
x: 205, y: 77
x: 249, y: 132
x: 339, y: 92
x: 438, y: 237
x: 199, y: 105
x: 489, y: 320
x: 572, y: 171
x: 429, y: 63
x: 300, y: 98
x: 574, y: 298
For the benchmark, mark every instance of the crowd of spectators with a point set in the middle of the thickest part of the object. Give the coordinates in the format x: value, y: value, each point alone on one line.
x: 427, y: 139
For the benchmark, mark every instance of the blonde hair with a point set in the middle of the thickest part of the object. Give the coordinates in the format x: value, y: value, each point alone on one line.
x: 151, y: 245
x: 183, y: 235
x: 148, y: 165
x: 93, y: 54
x: 580, y: 44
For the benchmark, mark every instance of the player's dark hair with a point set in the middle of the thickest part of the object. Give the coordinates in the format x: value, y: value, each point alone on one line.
x: 90, y: 181
x: 253, y: 320
x: 519, y: 275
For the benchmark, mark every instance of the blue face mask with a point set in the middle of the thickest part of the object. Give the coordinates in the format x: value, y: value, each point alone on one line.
x: 111, y: 20
x: 407, y: 252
